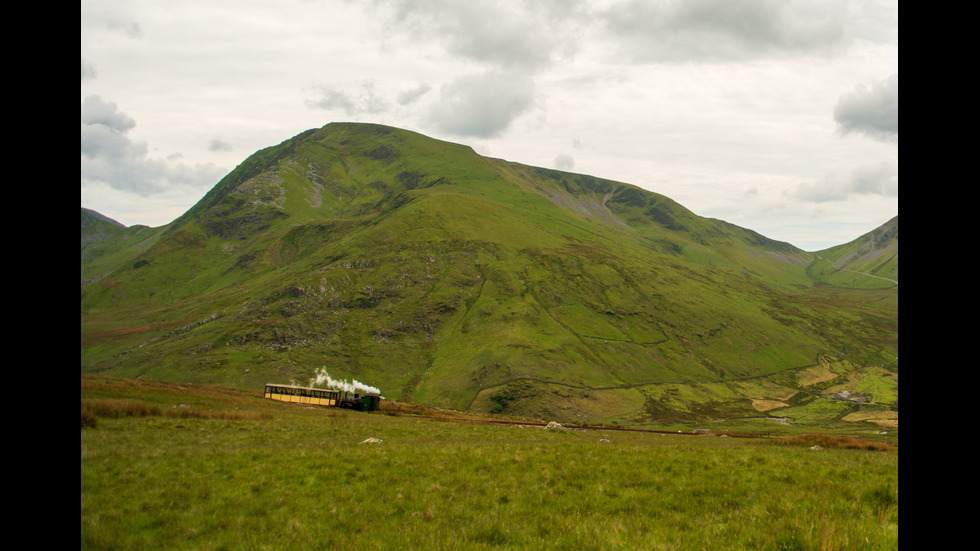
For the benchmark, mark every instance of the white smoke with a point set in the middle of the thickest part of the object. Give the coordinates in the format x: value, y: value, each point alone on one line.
x: 323, y: 378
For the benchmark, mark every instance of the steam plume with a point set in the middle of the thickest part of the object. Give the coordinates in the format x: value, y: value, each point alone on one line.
x: 323, y: 378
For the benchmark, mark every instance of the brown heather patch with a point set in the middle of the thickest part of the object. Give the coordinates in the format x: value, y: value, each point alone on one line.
x: 831, y: 441
x: 114, y: 334
x: 239, y: 398
x: 117, y: 409
x: 107, y: 335
x: 592, y: 251
x: 186, y: 412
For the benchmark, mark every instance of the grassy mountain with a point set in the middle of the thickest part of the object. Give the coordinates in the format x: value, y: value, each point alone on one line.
x: 456, y: 280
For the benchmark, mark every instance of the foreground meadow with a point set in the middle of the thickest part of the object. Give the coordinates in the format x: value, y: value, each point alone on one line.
x: 189, y: 467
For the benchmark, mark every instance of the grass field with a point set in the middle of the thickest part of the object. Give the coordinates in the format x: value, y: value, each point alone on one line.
x: 200, y: 467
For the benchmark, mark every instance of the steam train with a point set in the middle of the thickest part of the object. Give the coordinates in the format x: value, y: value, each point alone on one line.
x: 323, y: 397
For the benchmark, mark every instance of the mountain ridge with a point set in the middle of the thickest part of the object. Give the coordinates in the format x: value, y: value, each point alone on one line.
x: 381, y: 253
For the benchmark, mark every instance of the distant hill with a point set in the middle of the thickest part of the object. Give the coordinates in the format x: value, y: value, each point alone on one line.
x: 869, y: 261
x: 90, y: 218
x: 456, y: 280
x: 97, y: 227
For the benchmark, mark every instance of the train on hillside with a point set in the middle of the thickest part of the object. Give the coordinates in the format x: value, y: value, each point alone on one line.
x: 367, y: 401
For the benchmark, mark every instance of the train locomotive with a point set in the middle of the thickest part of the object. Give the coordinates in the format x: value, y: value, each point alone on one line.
x: 361, y: 402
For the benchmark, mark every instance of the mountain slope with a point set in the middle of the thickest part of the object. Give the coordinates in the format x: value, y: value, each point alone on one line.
x: 444, y: 277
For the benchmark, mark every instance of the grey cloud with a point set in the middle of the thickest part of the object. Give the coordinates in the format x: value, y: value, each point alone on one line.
x: 99, y: 141
x: 95, y: 110
x: 873, y: 179
x: 484, y: 36
x: 219, y: 145
x: 870, y: 110
x: 512, y: 40
x: 406, y: 97
x: 533, y: 34
x: 88, y: 70
x: 110, y: 157
x: 365, y: 100
x: 525, y: 35
x: 722, y: 30
x: 873, y: 20
x: 482, y: 105
x: 563, y: 161
x: 131, y: 29
x: 330, y: 99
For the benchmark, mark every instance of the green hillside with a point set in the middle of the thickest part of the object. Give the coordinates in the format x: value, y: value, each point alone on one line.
x: 456, y: 280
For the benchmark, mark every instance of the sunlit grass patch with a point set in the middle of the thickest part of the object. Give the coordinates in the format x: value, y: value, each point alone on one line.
x: 768, y: 405
x: 816, y: 374
x: 882, y: 418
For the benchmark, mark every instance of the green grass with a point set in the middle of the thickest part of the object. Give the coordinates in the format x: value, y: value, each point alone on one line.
x: 294, y: 477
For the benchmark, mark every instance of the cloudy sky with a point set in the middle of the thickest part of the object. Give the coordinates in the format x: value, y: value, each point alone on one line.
x: 779, y: 116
